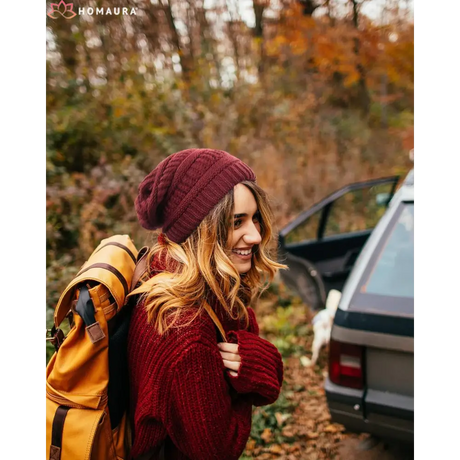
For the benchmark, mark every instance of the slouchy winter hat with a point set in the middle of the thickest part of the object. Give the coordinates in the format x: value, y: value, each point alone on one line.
x: 181, y: 191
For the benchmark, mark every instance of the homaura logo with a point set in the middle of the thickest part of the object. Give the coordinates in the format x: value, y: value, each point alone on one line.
x: 66, y: 10
x: 63, y: 9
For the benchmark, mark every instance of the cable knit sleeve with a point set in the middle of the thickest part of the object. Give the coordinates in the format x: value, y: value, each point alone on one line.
x: 261, y: 369
x: 203, y: 420
x: 253, y: 326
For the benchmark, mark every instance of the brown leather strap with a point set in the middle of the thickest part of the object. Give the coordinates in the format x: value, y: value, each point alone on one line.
x: 110, y: 268
x: 121, y: 246
x: 56, y: 433
x: 141, y: 267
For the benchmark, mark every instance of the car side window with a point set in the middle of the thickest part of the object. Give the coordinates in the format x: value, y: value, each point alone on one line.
x: 393, y: 271
x: 307, y: 230
x: 358, y: 210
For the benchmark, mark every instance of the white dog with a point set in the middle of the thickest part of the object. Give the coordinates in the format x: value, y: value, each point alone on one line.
x: 322, y: 326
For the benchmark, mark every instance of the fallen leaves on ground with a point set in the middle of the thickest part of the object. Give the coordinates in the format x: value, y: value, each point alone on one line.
x: 306, y: 432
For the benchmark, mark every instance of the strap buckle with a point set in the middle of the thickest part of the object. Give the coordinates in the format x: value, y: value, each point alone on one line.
x: 55, y: 336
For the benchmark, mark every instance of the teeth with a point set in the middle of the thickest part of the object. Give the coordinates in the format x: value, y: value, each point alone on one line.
x: 242, y: 253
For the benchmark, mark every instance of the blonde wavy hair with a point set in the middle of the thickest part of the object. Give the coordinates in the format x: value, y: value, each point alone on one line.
x: 202, y: 266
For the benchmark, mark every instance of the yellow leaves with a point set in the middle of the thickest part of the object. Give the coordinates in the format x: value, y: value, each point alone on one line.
x: 280, y: 40
x: 276, y: 449
x: 294, y: 41
x: 275, y: 46
x: 334, y: 428
x: 288, y: 432
x: 351, y: 78
x: 281, y: 418
x: 257, y: 41
x: 216, y: 98
x: 251, y: 444
x: 385, y: 53
x: 267, y: 435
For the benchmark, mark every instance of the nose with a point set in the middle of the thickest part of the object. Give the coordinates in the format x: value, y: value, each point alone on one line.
x: 252, y: 236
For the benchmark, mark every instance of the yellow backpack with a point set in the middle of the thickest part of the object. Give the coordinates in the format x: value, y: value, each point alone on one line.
x: 87, y: 377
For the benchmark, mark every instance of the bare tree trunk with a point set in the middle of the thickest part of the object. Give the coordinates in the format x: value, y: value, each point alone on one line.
x: 363, y: 93
x: 259, y: 8
x: 184, y: 56
x: 150, y: 26
x: 232, y: 35
x: 191, y: 26
x: 66, y: 45
x: 327, y: 3
x: 207, y: 39
x: 309, y: 7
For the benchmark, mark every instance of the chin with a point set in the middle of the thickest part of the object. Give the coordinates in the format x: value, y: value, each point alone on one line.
x: 243, y: 269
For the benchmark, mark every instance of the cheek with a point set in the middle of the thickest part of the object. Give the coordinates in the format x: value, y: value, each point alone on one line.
x: 232, y: 238
x: 235, y: 238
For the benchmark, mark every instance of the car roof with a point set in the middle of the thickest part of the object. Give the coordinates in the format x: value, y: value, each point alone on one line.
x: 406, y: 190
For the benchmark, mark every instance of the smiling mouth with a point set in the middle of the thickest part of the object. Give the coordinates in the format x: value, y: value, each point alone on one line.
x: 242, y: 252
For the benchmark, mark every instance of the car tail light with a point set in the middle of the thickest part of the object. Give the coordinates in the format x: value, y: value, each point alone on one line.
x: 346, y: 364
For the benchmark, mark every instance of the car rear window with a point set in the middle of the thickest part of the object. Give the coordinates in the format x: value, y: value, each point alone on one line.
x: 393, y: 270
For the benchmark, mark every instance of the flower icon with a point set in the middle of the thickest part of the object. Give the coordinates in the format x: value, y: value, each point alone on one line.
x: 64, y: 9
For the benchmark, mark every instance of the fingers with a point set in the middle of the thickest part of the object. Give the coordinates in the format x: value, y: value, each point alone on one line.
x: 230, y: 356
x: 228, y: 347
x: 232, y: 365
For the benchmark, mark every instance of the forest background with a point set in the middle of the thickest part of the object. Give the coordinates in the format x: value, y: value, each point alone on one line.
x: 312, y: 94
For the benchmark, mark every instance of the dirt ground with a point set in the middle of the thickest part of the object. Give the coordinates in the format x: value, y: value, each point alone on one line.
x: 353, y: 449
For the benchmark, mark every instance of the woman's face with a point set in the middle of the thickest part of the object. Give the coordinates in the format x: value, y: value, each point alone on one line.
x: 245, y: 234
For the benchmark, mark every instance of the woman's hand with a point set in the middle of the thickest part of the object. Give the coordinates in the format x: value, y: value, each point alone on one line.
x: 231, y: 357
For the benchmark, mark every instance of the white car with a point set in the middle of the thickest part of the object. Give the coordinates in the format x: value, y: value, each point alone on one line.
x: 360, y: 241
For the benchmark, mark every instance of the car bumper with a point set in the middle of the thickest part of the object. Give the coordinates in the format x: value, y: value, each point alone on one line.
x: 379, y: 413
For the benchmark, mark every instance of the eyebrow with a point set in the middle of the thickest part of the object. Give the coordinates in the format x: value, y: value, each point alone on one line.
x: 237, y: 216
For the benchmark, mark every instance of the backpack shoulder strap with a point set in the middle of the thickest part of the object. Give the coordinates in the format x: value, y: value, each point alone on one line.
x: 141, y: 267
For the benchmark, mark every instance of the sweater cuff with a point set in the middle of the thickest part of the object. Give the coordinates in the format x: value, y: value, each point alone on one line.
x: 261, y: 368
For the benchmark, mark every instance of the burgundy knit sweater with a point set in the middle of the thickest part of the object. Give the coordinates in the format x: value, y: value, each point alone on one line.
x: 183, y: 397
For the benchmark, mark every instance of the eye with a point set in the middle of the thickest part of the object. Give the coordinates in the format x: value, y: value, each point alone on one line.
x: 237, y: 223
x: 256, y: 217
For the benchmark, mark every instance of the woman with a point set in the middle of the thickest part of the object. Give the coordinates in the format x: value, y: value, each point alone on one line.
x: 197, y: 364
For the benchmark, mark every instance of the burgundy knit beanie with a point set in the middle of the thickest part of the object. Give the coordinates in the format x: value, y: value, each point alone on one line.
x: 181, y: 191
